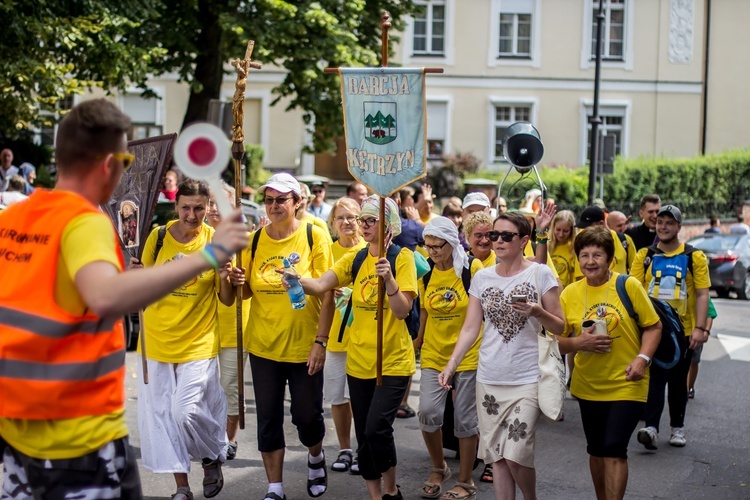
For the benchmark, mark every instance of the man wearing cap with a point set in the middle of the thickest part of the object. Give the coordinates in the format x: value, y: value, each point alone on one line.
x: 318, y: 206
x: 624, y: 247
x: 670, y: 260
x: 644, y: 234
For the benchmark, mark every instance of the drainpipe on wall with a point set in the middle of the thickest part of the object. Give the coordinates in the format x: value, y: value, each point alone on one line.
x: 706, y: 44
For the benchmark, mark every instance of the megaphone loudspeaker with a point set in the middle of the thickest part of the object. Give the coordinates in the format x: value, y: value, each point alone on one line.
x: 522, y: 146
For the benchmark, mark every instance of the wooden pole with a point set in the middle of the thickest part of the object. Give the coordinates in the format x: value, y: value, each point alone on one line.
x: 385, y: 24
x: 238, y: 152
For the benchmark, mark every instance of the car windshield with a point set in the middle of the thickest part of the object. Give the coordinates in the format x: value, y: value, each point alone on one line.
x: 715, y: 244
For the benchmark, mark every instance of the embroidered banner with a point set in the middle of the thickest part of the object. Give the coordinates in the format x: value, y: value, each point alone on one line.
x: 133, y: 202
x: 384, y: 121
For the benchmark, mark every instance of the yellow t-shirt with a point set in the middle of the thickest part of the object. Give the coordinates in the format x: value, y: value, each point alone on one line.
x: 334, y: 345
x: 445, y: 302
x: 315, y: 221
x: 275, y: 331
x: 429, y: 217
x: 528, y: 251
x: 398, y: 348
x: 621, y: 262
x: 182, y: 326
x: 601, y: 377
x: 87, y: 238
x: 564, y: 259
x: 490, y: 261
x: 228, y: 323
x: 699, y: 278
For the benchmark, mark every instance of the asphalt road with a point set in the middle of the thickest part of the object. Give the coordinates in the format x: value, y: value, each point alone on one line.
x: 714, y: 465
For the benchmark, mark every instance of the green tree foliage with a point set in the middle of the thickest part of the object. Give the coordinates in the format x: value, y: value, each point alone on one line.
x: 53, y: 49
x: 300, y: 36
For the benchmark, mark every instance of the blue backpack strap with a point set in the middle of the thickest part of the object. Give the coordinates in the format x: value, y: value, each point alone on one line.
x: 622, y: 292
x: 359, y: 259
x: 426, y: 277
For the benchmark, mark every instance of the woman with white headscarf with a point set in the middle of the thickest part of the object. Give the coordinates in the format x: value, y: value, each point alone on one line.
x: 374, y: 408
x: 444, y: 300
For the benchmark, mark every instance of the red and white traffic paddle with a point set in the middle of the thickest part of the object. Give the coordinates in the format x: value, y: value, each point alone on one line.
x: 202, y: 152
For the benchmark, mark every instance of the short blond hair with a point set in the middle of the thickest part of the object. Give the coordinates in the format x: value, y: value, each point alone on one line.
x: 349, y: 204
x: 474, y: 220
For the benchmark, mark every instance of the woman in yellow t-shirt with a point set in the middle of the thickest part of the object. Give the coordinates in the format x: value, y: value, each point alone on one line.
x: 374, y: 407
x: 343, y: 223
x: 182, y: 411
x: 287, y: 345
x: 444, y: 300
x: 560, y: 246
x: 610, y: 379
x: 477, y: 227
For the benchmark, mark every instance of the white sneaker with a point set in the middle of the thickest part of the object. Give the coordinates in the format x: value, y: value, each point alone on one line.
x: 678, y: 437
x: 648, y: 437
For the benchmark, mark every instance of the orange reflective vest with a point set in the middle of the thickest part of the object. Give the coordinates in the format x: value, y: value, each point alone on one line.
x: 53, y: 365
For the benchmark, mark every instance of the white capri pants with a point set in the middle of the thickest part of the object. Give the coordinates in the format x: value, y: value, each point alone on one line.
x: 182, y: 413
x: 335, y: 387
x: 229, y: 381
x: 432, y: 399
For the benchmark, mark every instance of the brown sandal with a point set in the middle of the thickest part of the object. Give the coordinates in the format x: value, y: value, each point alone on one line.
x: 424, y: 492
x: 183, y: 493
x: 470, y: 489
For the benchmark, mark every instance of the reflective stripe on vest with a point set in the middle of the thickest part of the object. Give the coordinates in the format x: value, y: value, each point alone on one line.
x: 53, y: 364
x: 69, y: 372
x: 46, y: 327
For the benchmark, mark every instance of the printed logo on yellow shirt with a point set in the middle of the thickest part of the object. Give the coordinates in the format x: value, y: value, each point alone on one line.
x: 612, y: 316
x: 268, y: 271
x: 189, y: 283
x: 369, y: 290
x: 443, y: 300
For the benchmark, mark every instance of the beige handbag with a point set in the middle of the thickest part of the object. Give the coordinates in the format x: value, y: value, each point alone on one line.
x: 552, y: 385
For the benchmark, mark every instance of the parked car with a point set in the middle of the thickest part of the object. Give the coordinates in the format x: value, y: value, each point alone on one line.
x: 728, y: 262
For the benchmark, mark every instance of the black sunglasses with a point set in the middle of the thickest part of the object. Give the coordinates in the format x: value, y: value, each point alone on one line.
x: 506, y: 236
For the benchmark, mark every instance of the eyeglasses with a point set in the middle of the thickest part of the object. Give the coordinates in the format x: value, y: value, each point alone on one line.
x: 126, y: 158
x: 368, y: 222
x: 279, y: 201
x: 316, y: 191
x: 481, y: 236
x: 349, y: 218
x: 506, y: 236
x: 435, y: 248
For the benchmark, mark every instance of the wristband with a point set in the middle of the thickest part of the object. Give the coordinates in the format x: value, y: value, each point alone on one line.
x: 394, y: 293
x: 704, y: 329
x: 222, y: 248
x: 210, y: 257
x: 541, y: 241
x: 645, y: 358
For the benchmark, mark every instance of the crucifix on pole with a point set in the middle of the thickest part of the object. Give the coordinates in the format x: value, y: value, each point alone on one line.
x: 242, y: 66
x: 390, y: 179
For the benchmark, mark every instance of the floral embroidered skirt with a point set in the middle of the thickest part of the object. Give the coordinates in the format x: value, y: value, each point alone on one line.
x: 508, y: 415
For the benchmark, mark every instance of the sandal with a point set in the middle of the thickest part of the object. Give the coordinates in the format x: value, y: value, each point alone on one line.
x: 232, y: 450
x: 405, y: 411
x: 343, y: 461
x: 487, y: 474
x: 426, y: 490
x: 213, y: 479
x: 470, y: 489
x: 183, y: 493
x: 318, y: 481
x: 273, y: 496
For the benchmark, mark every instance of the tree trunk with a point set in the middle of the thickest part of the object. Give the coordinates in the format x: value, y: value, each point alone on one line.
x: 208, y: 65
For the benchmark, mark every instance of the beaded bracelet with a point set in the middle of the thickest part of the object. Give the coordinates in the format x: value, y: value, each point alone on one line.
x: 541, y: 233
x: 210, y: 257
x: 222, y: 248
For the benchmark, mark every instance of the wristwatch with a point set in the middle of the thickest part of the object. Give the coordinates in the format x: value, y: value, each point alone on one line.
x: 321, y: 342
x: 645, y: 358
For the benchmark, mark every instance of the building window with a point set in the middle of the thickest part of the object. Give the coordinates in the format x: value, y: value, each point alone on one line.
x: 613, y: 124
x: 142, y: 113
x: 505, y: 116
x: 429, y: 30
x: 46, y: 135
x: 515, y: 34
x: 613, y: 30
x: 437, y: 127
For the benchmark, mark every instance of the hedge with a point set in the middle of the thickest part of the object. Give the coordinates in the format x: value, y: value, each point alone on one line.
x: 700, y: 186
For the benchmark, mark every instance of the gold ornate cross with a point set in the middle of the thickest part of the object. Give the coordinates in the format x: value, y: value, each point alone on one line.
x: 242, y: 67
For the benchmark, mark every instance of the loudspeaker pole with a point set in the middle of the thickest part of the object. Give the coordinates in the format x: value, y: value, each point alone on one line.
x: 595, y: 119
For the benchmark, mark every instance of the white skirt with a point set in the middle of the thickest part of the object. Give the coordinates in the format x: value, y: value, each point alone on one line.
x: 182, y: 413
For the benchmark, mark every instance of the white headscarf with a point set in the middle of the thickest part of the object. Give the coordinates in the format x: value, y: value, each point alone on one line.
x: 445, y: 229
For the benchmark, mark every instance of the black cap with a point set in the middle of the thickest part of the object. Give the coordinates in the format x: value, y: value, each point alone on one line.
x: 672, y: 211
x: 589, y: 216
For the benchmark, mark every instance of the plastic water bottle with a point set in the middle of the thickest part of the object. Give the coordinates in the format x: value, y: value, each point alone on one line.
x: 296, y: 293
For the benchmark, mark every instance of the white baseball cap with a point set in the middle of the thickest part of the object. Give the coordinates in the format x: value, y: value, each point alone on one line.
x: 283, y: 183
x: 477, y: 198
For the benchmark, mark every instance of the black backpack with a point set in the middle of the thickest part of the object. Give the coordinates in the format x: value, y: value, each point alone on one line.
x: 412, y: 320
x: 672, y: 341
x: 465, y: 275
